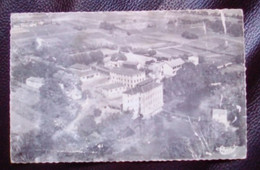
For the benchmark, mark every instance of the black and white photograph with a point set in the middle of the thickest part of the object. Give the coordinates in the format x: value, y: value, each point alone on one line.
x: 127, y: 86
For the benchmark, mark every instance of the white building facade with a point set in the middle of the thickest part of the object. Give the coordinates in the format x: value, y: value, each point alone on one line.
x: 145, y: 99
x: 128, y: 77
x: 220, y: 115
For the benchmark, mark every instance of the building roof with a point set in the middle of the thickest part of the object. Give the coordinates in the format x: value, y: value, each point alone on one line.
x: 143, y: 87
x: 79, y: 66
x: 126, y: 71
x: 175, y: 62
x: 156, y: 65
x: 86, y: 73
x: 130, y: 64
x: 101, y: 68
x: 112, y: 86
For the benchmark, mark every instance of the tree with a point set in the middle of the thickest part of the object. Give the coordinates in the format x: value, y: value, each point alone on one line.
x: 189, y: 35
x: 55, y: 106
x: 33, y: 69
x: 151, y: 52
x: 210, y: 73
x: 97, y: 112
x: 149, y: 62
x: 227, y: 139
x: 87, y: 125
x: 201, y: 59
x: 125, y: 49
x: 107, y: 26
x: 239, y: 59
x: 68, y: 80
x: 118, y: 56
x: 28, y: 146
x: 96, y: 56
x: 192, y: 83
x: 178, y: 148
x: 53, y: 92
x: 235, y: 30
x: 188, y: 80
x: 141, y: 51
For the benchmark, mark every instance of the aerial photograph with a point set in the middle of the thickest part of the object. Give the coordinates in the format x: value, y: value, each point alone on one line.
x: 127, y: 86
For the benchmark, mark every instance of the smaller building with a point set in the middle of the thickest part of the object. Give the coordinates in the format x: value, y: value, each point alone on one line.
x: 165, y: 69
x: 35, y: 82
x: 194, y: 60
x: 113, y: 64
x: 88, y: 75
x: 113, y: 90
x: 176, y: 64
x: 160, y: 70
x: 220, y: 115
x: 84, y: 72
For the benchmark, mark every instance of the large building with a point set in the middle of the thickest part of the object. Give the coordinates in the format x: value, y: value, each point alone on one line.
x: 145, y: 99
x: 126, y: 76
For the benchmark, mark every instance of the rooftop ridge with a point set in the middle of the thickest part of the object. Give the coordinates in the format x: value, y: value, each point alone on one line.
x: 126, y: 71
x: 144, y: 86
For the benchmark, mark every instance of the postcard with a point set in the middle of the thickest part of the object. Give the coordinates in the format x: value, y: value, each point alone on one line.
x: 127, y: 86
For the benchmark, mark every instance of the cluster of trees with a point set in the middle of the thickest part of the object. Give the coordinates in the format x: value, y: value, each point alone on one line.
x: 143, y: 51
x: 189, y: 35
x: 193, y: 83
x: 107, y: 26
x: 215, y: 135
x: 56, y: 111
x: 118, y: 56
x: 56, y: 108
x: 28, y: 146
x: 234, y: 97
x: 191, y: 79
x: 125, y: 49
x: 239, y: 59
x: 87, y: 58
x: 33, y: 69
x: 234, y: 29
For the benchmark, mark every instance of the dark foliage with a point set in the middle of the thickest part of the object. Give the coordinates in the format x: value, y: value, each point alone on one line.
x: 189, y: 35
